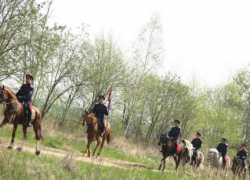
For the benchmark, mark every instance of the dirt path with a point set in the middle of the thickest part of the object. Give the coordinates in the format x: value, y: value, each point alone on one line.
x: 77, y: 156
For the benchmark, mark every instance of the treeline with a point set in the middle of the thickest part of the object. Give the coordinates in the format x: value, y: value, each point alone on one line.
x: 72, y: 70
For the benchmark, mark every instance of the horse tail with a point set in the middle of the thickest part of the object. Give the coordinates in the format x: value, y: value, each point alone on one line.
x: 38, y: 129
x: 109, y: 136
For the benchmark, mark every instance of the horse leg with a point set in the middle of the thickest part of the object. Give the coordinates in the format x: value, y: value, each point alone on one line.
x: 90, y: 139
x: 25, y: 135
x: 164, y: 164
x: 13, y: 137
x: 2, y: 124
x: 210, y: 170
x: 177, y: 162
x: 160, y: 166
x: 98, y: 142
x: 103, y: 140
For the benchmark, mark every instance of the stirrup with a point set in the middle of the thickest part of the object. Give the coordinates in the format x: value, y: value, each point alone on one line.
x: 30, y: 124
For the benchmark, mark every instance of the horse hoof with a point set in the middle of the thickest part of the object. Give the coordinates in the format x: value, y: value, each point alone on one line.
x: 97, y: 157
x: 85, y: 154
x: 88, y: 155
x: 93, y: 155
x: 38, y: 153
x: 19, y: 149
x: 10, y: 147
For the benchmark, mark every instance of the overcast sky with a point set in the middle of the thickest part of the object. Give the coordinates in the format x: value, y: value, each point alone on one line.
x: 206, y: 38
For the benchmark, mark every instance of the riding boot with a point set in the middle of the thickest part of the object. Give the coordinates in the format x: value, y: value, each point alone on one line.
x: 224, y: 165
x: 102, y: 131
x: 192, y: 161
x: 29, y: 119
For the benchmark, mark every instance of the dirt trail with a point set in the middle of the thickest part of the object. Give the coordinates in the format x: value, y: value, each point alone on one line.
x: 77, y: 156
x: 52, y: 152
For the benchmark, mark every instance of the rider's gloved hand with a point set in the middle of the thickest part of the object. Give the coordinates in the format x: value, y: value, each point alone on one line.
x: 159, y: 143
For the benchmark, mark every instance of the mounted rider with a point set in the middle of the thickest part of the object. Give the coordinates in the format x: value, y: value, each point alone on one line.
x: 222, y: 148
x: 196, y: 142
x: 175, y: 134
x: 242, y: 154
x: 25, y: 94
x: 100, y: 110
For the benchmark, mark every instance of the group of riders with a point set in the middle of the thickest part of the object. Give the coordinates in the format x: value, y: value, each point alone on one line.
x: 222, y: 148
x: 24, y: 95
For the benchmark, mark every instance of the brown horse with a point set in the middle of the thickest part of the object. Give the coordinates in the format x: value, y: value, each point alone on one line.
x: 13, y: 114
x: 93, y: 133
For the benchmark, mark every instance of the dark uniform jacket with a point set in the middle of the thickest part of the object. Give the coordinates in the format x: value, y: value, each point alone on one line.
x: 243, y: 154
x: 99, y: 110
x: 197, y: 143
x: 222, y: 148
x: 175, y: 133
x: 26, y: 91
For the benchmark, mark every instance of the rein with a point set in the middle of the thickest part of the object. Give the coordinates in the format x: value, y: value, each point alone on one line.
x: 211, y: 157
x: 92, y: 126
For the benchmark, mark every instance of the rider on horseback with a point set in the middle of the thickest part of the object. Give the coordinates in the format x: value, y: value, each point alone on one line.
x: 243, y: 154
x: 222, y: 148
x: 99, y: 110
x: 175, y: 134
x: 24, y: 95
x: 197, y: 145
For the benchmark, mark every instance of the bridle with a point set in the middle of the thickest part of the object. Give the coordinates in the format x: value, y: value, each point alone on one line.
x: 164, y: 142
x: 88, y: 121
x: 6, y: 103
x: 209, y: 160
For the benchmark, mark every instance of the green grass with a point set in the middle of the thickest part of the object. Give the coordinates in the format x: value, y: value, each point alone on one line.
x: 15, y: 166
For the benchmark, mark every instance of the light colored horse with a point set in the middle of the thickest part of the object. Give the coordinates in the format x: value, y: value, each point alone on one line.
x: 186, y: 159
x: 215, y: 160
x: 198, y: 163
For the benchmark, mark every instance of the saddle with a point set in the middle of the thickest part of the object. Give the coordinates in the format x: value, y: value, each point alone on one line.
x: 100, y: 125
x: 178, y: 147
x: 25, y: 112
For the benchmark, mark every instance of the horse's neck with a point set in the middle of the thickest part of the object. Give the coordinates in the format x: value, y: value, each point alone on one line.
x: 11, y: 102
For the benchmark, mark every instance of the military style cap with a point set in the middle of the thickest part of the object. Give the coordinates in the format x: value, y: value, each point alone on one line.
x: 101, y: 97
x: 224, y: 139
x: 177, y: 121
x: 198, y: 133
x: 29, y: 76
x: 244, y: 145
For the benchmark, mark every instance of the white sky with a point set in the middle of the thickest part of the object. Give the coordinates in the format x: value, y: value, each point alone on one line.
x: 206, y: 38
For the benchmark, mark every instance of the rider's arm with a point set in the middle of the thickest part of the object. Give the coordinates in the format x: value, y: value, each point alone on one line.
x: 225, y: 151
x: 105, y: 111
x: 238, y: 153
x: 94, y: 109
x: 19, y: 92
x: 28, y: 95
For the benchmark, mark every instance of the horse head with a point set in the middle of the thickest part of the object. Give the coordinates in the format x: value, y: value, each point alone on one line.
x: 211, y: 154
x: 3, y: 95
x: 86, y: 117
x: 164, y: 138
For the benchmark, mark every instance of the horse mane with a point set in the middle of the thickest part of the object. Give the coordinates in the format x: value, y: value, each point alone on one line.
x: 214, y: 150
x: 189, y: 145
x: 13, y: 95
x: 92, y: 115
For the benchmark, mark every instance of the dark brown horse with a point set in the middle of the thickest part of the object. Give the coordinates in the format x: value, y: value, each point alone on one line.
x: 168, y: 150
x: 13, y: 114
x: 93, y: 133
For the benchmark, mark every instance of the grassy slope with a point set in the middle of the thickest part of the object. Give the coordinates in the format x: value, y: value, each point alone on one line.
x: 17, y: 165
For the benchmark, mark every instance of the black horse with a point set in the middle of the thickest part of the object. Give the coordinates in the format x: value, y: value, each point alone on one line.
x: 168, y: 150
x: 238, y: 168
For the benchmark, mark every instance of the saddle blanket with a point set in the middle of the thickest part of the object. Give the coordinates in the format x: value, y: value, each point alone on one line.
x: 178, y: 147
